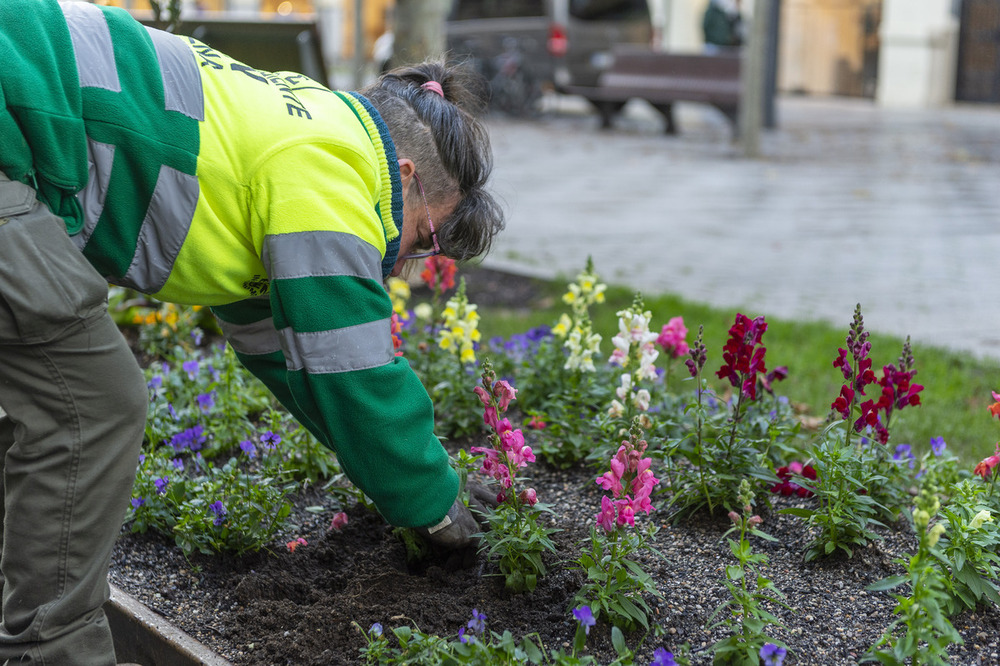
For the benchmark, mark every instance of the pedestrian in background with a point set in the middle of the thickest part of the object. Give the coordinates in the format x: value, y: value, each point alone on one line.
x: 722, y: 25
x: 152, y: 161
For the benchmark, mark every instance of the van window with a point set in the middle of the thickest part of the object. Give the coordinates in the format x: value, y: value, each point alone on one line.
x: 463, y: 10
x: 603, y: 10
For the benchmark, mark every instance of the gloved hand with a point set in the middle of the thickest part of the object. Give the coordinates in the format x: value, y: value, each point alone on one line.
x: 457, y: 529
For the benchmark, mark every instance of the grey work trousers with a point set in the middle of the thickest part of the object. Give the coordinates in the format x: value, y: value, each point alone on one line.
x: 75, y: 403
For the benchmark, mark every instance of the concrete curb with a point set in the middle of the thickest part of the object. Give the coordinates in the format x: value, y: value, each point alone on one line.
x: 145, y: 638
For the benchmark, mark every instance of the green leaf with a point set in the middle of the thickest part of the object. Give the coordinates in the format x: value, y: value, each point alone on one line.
x: 801, y: 513
x: 888, y: 583
x: 618, y: 640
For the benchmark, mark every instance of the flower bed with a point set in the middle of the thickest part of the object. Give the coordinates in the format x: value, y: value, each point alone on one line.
x: 727, y: 567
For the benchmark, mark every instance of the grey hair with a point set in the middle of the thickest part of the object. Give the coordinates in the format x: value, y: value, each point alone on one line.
x: 449, y: 146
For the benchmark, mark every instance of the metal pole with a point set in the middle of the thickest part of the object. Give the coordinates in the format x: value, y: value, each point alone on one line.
x: 771, y: 66
x: 359, y: 45
x: 752, y: 105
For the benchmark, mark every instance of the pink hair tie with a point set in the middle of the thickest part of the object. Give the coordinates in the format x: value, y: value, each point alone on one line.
x: 434, y: 87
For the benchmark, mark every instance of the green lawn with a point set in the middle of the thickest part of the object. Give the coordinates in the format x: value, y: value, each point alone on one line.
x: 956, y: 385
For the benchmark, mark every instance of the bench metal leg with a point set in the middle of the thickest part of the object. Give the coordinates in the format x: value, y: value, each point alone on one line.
x: 608, y: 111
x: 667, y: 111
x: 733, y: 116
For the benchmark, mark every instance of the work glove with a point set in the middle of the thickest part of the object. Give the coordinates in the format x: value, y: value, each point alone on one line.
x: 459, y: 527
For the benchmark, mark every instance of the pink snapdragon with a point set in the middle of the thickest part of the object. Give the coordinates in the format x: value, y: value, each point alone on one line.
x: 504, y: 393
x: 490, y: 416
x: 536, y: 423
x: 672, y: 338
x: 630, y: 481
x: 508, y: 452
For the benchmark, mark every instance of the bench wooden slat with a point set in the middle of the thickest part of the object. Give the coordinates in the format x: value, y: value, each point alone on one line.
x: 664, y: 78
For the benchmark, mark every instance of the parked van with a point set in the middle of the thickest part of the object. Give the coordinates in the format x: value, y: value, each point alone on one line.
x: 524, y: 47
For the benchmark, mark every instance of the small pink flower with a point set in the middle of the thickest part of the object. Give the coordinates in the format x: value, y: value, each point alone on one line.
x: 606, y: 517
x: 490, y: 416
x: 641, y: 501
x: 612, y: 480
x: 626, y: 514
x: 292, y: 545
x: 484, y: 397
x: 512, y: 440
x: 618, y: 357
x: 536, y: 423
x: 503, y: 426
x: 735, y: 517
x: 505, y: 393
x: 528, y: 496
x: 339, y: 521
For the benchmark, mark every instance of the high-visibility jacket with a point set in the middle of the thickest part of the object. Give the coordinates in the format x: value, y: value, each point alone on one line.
x: 196, y: 179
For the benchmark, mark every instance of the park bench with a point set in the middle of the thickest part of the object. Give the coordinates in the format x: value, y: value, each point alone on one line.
x: 663, y: 79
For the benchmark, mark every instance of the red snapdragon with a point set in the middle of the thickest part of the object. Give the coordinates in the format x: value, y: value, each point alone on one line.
x: 995, y: 407
x: 395, y: 328
x: 786, y: 486
x: 743, y: 359
x: 439, y: 272
x: 987, y: 465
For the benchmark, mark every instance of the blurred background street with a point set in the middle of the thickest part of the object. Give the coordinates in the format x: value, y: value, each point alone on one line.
x: 867, y: 169
x: 896, y: 209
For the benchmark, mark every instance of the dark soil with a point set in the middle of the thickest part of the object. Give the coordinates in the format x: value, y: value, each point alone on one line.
x: 305, y: 607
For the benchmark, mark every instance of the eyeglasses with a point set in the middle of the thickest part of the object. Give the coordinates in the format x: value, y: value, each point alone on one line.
x: 434, y: 238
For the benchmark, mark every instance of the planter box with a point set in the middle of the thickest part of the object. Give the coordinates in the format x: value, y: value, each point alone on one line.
x: 146, y: 638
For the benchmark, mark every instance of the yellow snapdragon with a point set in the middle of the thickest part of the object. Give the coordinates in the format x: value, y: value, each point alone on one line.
x: 980, y: 518
x: 563, y: 327
x: 460, y: 331
x: 586, y: 291
x: 582, y: 344
x: 399, y: 294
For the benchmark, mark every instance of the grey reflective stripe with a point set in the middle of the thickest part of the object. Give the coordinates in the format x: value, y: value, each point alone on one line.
x: 163, y: 231
x: 320, y: 253
x: 253, y: 339
x: 100, y: 157
x: 340, y: 350
x: 181, y: 79
x: 95, y: 57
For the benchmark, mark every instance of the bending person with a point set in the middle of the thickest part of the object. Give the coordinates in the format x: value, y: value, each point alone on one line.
x: 151, y: 161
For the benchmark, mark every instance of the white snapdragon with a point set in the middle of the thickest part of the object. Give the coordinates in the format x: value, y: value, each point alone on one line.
x: 641, y: 400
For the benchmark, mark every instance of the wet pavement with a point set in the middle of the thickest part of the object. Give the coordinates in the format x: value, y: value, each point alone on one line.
x: 898, y: 210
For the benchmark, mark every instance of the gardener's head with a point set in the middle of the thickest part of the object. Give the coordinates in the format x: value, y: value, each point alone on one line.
x: 444, y: 159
